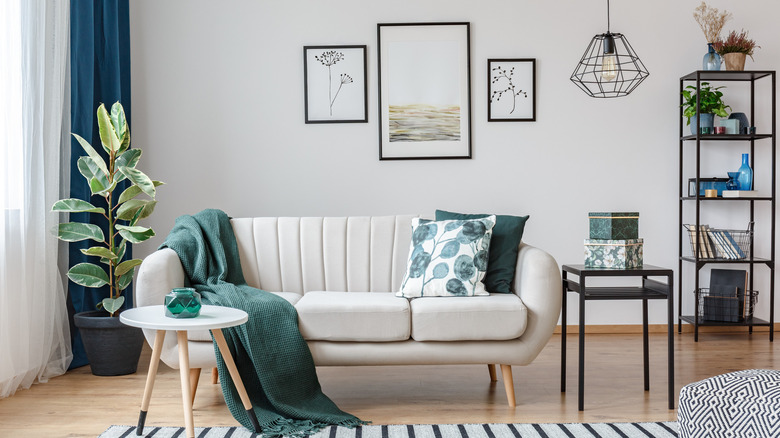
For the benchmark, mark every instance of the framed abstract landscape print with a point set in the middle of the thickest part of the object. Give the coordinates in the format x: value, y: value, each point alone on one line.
x: 424, y: 91
x: 335, y: 84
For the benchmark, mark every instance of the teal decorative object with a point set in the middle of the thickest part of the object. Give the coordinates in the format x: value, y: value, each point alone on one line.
x: 745, y: 177
x: 712, y: 60
x: 731, y: 125
x: 613, y: 254
x: 182, y: 302
x: 733, y: 183
x: 614, y: 226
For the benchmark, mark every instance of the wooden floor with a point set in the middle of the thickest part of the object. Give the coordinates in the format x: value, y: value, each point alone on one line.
x: 79, y: 404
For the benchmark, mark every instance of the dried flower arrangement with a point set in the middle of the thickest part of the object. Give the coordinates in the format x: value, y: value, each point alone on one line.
x: 736, y: 43
x: 711, y: 21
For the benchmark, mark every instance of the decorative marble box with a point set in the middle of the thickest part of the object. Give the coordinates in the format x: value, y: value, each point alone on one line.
x: 614, y: 226
x: 613, y: 254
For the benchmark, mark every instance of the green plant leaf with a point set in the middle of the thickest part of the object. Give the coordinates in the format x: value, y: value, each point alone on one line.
x: 133, y: 191
x: 120, y: 250
x: 90, y: 170
x: 126, y: 266
x: 119, y: 121
x: 93, y: 154
x: 76, y: 232
x: 76, y: 206
x: 97, y: 187
x: 128, y: 158
x: 108, y: 136
x: 128, y: 210
x: 125, y: 280
x: 88, y: 275
x: 111, y: 305
x: 135, y: 234
x: 140, y: 179
x: 100, y: 251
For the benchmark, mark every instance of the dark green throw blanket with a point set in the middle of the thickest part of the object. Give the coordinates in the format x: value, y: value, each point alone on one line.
x: 273, y: 360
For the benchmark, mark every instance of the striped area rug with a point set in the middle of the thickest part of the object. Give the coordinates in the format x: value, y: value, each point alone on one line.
x: 541, y: 430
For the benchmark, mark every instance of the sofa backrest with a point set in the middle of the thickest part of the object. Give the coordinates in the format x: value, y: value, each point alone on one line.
x: 344, y: 254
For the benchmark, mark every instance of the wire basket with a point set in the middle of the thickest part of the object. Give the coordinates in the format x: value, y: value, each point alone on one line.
x: 726, y: 308
x: 723, y: 244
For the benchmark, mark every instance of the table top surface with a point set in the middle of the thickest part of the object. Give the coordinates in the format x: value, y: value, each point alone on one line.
x: 643, y: 270
x: 211, y: 317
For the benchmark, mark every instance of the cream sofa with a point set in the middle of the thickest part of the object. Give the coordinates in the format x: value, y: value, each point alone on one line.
x: 340, y: 273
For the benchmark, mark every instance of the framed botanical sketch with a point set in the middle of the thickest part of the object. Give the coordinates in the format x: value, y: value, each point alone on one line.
x: 511, y: 90
x: 335, y: 84
x: 424, y: 91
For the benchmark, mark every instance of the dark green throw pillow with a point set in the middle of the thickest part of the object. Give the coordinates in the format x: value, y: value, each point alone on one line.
x: 502, y: 256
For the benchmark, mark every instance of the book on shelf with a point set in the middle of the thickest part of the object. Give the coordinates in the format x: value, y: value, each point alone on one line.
x: 731, y: 283
x: 721, y: 309
x: 740, y: 194
x: 713, y: 243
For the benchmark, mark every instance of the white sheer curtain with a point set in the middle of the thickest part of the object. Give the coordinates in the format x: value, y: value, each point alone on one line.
x: 34, y: 334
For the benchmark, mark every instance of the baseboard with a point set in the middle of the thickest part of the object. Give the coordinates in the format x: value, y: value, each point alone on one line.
x: 617, y: 329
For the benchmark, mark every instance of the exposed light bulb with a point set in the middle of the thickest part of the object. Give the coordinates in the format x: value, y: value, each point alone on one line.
x: 609, y: 69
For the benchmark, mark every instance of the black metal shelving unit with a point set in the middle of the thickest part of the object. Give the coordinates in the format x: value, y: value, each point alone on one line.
x: 700, y: 141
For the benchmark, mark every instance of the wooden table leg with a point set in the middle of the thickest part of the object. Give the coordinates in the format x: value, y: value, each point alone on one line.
x: 184, y: 372
x: 231, y: 366
x: 150, y: 376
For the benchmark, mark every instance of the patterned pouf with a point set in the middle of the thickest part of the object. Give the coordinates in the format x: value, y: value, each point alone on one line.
x: 742, y: 404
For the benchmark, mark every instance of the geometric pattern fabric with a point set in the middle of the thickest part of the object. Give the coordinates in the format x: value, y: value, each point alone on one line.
x: 742, y: 404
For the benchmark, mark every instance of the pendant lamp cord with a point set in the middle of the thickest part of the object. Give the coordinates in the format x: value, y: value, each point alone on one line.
x: 607, y: 16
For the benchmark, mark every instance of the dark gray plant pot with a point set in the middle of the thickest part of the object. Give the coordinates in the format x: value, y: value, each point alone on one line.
x: 113, y: 349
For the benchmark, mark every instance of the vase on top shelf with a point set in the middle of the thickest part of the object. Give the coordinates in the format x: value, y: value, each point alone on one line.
x: 745, y: 177
x: 711, y: 59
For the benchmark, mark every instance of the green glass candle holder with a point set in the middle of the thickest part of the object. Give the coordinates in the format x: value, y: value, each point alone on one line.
x: 182, y: 302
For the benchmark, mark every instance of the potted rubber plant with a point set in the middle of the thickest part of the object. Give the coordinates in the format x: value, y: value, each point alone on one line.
x: 710, y: 102
x: 112, y: 348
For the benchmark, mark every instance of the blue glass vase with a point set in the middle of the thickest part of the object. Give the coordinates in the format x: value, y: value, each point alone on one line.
x: 711, y: 59
x: 182, y: 302
x: 745, y: 177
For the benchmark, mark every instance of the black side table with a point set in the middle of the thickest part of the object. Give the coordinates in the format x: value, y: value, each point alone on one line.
x: 650, y: 290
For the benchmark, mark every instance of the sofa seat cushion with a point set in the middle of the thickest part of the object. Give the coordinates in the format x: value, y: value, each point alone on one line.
x: 353, y: 316
x: 205, y: 335
x: 497, y: 317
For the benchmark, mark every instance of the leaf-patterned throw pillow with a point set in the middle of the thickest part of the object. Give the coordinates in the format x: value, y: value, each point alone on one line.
x: 447, y: 258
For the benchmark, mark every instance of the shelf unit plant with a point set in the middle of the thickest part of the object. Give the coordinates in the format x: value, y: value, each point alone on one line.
x: 765, y: 143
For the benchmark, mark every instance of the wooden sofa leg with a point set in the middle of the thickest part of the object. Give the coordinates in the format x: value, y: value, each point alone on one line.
x: 194, y: 377
x: 214, y: 376
x: 492, y: 371
x: 509, y: 387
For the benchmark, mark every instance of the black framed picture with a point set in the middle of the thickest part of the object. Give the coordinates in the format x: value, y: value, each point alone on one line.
x: 334, y: 84
x: 511, y: 90
x: 424, y: 90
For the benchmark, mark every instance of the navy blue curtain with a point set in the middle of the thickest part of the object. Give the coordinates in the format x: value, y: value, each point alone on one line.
x: 100, y: 73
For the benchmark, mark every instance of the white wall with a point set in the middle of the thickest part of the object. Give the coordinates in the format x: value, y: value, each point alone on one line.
x: 218, y: 110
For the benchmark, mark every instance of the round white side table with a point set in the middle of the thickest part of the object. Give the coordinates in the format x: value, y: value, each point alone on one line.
x: 212, y: 318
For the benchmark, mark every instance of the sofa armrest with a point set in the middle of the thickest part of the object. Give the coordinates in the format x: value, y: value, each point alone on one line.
x: 160, y: 272
x: 538, y: 284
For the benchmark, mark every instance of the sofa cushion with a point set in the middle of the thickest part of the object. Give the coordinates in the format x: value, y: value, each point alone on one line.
x: 502, y: 259
x: 204, y: 335
x: 447, y: 258
x: 496, y: 317
x: 353, y: 316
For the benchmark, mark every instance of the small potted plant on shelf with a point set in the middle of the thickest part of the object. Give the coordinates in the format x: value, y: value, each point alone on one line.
x: 710, y: 102
x: 112, y: 348
x: 734, y: 48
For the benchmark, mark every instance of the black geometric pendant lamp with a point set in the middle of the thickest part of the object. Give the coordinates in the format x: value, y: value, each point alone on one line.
x: 610, y: 67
